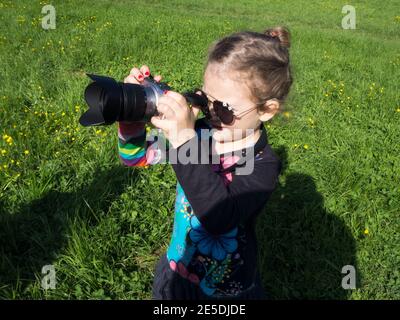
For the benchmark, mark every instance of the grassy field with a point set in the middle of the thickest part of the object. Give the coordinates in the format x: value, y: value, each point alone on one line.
x: 66, y: 200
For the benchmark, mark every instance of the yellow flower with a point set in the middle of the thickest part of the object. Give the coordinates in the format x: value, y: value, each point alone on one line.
x: 8, y: 139
x: 398, y: 109
x: 26, y: 152
x: 3, y: 151
x: 63, y: 114
x: 286, y: 114
x: 366, y: 231
x: 306, y: 146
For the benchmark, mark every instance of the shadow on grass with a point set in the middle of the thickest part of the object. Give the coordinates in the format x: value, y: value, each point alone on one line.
x: 33, y: 236
x: 302, y: 246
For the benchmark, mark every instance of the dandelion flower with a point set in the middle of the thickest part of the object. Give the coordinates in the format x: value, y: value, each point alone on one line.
x: 306, y: 146
x: 366, y: 231
x: 26, y: 152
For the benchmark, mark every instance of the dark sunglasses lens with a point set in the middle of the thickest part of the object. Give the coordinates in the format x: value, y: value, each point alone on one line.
x: 223, y: 113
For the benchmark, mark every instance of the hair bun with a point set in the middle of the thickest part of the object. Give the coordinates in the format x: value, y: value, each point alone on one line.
x: 280, y: 33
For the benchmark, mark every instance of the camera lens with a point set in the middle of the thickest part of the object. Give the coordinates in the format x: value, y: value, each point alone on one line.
x: 111, y: 101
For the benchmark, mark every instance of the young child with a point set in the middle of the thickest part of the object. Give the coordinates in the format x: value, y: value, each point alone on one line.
x: 213, y: 248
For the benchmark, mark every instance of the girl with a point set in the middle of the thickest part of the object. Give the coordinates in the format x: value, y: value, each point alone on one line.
x: 213, y: 248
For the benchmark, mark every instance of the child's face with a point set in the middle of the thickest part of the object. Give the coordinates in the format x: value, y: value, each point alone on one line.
x: 226, y: 86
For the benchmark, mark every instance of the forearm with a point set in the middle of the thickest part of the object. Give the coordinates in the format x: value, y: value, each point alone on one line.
x: 132, y: 143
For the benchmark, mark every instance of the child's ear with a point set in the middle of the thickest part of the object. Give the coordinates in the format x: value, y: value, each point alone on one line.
x: 270, y: 108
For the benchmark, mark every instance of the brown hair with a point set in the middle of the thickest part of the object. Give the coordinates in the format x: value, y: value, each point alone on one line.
x: 263, y: 57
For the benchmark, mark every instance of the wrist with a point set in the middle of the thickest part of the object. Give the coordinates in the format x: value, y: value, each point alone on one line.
x: 128, y: 130
x: 183, y: 137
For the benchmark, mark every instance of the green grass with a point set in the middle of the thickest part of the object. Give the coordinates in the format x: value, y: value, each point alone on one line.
x: 71, y: 203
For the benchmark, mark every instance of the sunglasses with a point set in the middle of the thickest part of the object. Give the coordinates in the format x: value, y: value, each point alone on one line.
x: 224, y: 112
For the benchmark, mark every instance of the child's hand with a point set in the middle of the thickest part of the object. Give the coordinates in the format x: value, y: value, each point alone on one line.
x: 177, y: 121
x: 137, y: 76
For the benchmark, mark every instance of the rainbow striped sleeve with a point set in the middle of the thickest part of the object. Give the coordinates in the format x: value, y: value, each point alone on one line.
x: 132, y: 144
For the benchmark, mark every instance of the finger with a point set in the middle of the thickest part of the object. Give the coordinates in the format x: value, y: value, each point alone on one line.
x: 166, y: 110
x: 131, y: 79
x: 172, y: 103
x: 180, y: 99
x: 145, y: 70
x: 161, y: 124
x: 137, y: 74
x: 157, y: 78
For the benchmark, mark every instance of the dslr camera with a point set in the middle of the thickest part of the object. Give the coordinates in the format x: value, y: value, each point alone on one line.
x: 110, y: 101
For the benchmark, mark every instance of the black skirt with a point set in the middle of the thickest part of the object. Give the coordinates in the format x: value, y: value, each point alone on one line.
x: 170, y: 285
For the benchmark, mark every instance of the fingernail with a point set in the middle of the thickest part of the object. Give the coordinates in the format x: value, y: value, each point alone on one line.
x: 140, y: 77
x: 165, y: 91
x: 147, y: 73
